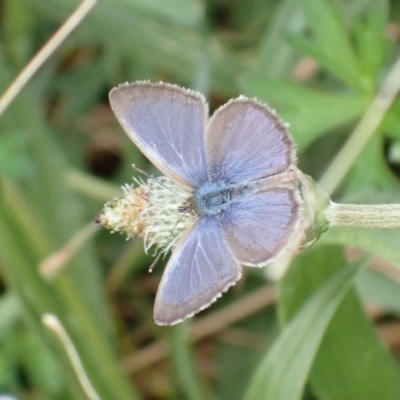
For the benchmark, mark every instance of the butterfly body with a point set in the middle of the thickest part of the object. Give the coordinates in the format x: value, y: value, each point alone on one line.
x: 212, y: 198
x: 239, y: 166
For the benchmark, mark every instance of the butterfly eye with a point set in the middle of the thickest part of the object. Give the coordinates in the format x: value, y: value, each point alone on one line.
x: 188, y: 208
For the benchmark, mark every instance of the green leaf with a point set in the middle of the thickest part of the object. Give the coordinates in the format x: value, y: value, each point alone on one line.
x: 371, y: 170
x: 351, y: 362
x: 14, y: 160
x: 377, y: 288
x: 183, y: 362
x: 382, y: 242
x: 10, y: 311
x: 391, y: 123
x: 372, y: 43
x: 275, y: 55
x: 330, y: 44
x: 186, y: 12
x: 40, y: 363
x: 18, y: 27
x: 59, y: 214
x: 309, y: 112
x: 151, y: 40
x: 69, y: 87
x: 9, y: 355
x: 283, y: 372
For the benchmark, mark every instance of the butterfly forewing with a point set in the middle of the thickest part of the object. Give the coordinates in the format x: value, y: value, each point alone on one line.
x: 167, y: 123
x: 245, y: 140
x: 199, y: 270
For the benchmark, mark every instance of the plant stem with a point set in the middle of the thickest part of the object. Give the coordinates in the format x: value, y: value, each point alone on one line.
x: 54, y: 324
x: 363, y: 131
x: 364, y: 215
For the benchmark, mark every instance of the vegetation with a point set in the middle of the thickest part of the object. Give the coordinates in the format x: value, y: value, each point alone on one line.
x: 328, y: 330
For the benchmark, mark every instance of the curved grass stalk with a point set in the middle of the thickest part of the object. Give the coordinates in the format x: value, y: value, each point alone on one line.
x: 53, y: 323
x: 47, y: 50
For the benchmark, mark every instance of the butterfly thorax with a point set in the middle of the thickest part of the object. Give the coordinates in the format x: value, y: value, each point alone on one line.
x: 212, y: 198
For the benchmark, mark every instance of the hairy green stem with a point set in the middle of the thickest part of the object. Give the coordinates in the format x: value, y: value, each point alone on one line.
x: 364, y: 215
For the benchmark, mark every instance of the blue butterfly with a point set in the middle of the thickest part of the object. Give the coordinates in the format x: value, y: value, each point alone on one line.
x: 239, y: 166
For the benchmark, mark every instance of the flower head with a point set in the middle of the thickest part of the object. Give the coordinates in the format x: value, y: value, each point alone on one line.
x: 151, y: 209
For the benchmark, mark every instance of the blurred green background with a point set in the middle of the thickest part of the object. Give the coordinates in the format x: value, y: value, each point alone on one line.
x: 329, y: 330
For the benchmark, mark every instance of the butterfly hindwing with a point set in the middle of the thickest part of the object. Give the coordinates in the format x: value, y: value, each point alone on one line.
x: 259, y: 227
x: 199, y: 270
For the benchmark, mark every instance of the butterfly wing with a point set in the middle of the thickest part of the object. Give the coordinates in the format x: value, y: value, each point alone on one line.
x: 199, y: 270
x: 259, y: 227
x: 245, y: 140
x: 167, y: 124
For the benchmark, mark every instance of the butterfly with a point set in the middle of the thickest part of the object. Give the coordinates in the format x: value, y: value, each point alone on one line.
x: 239, y: 167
